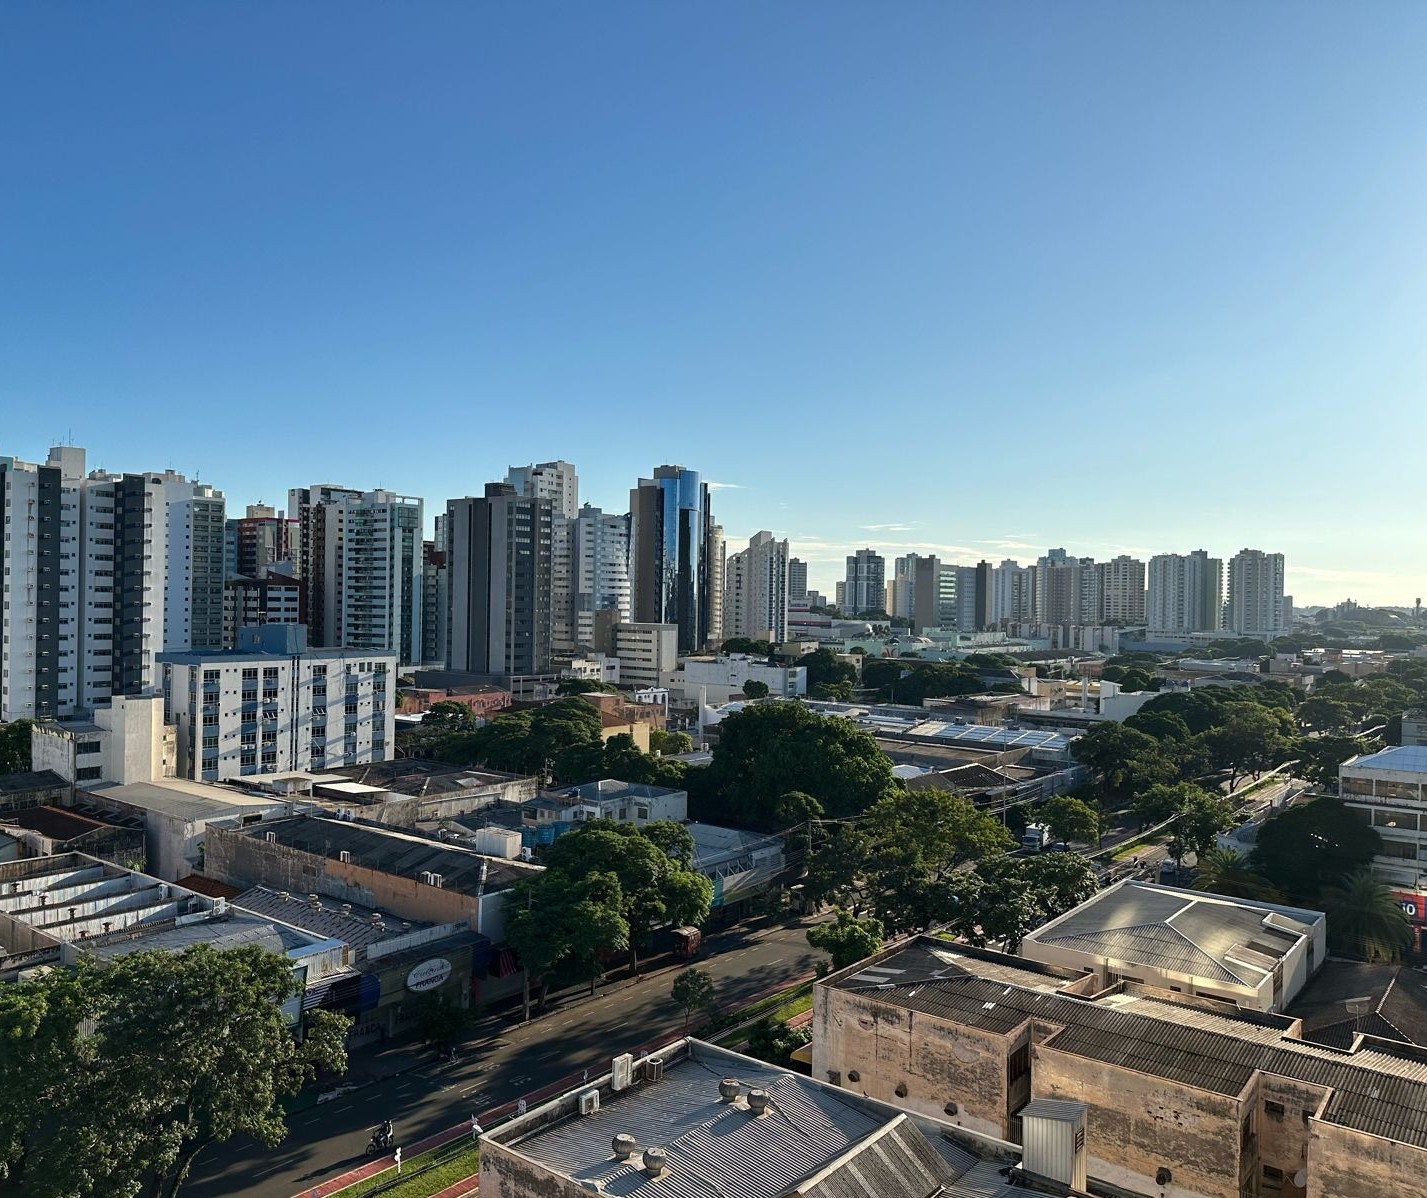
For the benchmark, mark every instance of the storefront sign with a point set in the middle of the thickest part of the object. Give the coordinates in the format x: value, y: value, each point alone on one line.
x: 1413, y: 905
x: 428, y: 975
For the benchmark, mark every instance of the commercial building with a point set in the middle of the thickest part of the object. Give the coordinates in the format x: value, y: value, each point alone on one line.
x: 100, y: 573
x: 127, y: 739
x: 695, y: 1121
x: 715, y: 680
x: 677, y: 556
x: 1184, y: 1096
x: 600, y: 564
x: 561, y: 809
x: 360, y: 561
x: 1414, y: 726
x: 257, y: 541
x: 646, y: 652
x: 1186, y: 592
x: 499, y: 570
x: 1255, y: 598
x: 755, y: 594
x: 1388, y: 790
x: 1255, y: 955
x: 272, y: 705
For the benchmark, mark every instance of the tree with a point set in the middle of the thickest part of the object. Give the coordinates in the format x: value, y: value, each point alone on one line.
x: 1366, y: 921
x: 1249, y: 740
x: 1313, y: 846
x: 775, y: 1042
x: 670, y: 744
x: 847, y: 939
x: 15, y: 747
x: 1071, y: 819
x: 826, y: 668
x: 559, y: 927
x: 1223, y: 871
x: 1164, y: 801
x: 753, y: 689
x: 693, y: 991
x: 449, y: 716
x: 1323, y: 714
x: 767, y: 750
x: 144, y: 1063
x: 581, y: 686
x: 441, y: 1021
x: 1123, y: 756
x: 1201, y: 820
x: 1320, y: 756
x: 743, y: 644
x: 1057, y: 882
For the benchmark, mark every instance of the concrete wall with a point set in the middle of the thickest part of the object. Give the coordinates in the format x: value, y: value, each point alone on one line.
x: 1137, y: 1123
x: 1343, y: 1163
x: 507, y: 1174
x: 936, y: 1061
x: 241, y: 859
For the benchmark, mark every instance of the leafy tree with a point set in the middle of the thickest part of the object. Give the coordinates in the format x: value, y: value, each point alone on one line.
x: 559, y: 927
x: 1320, y: 756
x: 673, y: 838
x: 1249, y: 740
x: 742, y: 644
x: 1323, y: 714
x: 582, y: 686
x: 1199, y: 709
x: 991, y: 904
x: 1202, y: 819
x: 693, y: 991
x: 1223, y: 871
x: 765, y: 751
x: 826, y: 668
x: 1057, y: 882
x: 753, y: 689
x: 847, y: 939
x: 449, y: 716
x: 441, y: 1021
x: 654, y: 888
x: 1162, y: 725
x: 15, y: 747
x: 1128, y: 760
x: 1366, y: 921
x: 670, y: 743
x: 1071, y: 819
x: 146, y: 1062
x: 776, y: 1042
x: 1313, y: 846
x: 831, y: 692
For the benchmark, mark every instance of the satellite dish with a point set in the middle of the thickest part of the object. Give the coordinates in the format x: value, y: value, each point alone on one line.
x: 1300, y: 1179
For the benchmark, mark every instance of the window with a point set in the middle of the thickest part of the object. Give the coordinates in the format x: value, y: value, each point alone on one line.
x: 1272, y: 1174
x: 1018, y: 1064
x: 87, y: 746
x: 91, y: 773
x: 1273, y: 1108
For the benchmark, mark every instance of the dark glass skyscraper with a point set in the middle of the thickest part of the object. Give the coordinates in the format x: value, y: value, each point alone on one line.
x: 673, y: 551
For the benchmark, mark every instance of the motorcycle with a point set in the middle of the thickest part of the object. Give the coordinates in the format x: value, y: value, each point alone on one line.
x: 380, y: 1143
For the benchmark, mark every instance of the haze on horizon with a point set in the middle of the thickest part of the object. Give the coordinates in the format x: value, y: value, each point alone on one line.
x: 977, y: 280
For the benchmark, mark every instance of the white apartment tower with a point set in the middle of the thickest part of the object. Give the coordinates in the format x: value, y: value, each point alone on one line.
x: 900, y: 591
x: 599, y: 551
x: 1012, y: 593
x: 557, y: 482
x: 1186, y: 592
x: 360, y: 560
x: 756, y: 591
x: 1122, y: 590
x: 100, y: 573
x: 1255, y: 602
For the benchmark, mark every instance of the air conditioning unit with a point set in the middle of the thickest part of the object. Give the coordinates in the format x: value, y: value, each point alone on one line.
x: 589, y: 1102
x: 621, y: 1072
x: 345, y: 857
x: 653, y: 1068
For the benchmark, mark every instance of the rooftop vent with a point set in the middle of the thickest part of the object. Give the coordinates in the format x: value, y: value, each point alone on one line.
x: 344, y: 856
x: 270, y: 837
x: 758, y: 1101
x: 283, y: 894
x: 314, y: 902
x: 728, y: 1090
x: 656, y: 1160
x: 346, y: 910
x: 624, y: 1146
x: 376, y: 918
x: 653, y: 1069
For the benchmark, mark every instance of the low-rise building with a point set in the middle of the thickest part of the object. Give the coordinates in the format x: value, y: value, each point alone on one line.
x: 50, y: 831
x: 646, y: 652
x: 1388, y: 790
x: 696, y: 1121
x: 1184, y: 1096
x: 1255, y: 955
x: 33, y: 788
x: 273, y: 705
x: 124, y: 739
x: 715, y: 680
x: 1414, y: 726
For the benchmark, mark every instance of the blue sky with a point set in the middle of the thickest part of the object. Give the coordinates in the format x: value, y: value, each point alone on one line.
x: 977, y: 277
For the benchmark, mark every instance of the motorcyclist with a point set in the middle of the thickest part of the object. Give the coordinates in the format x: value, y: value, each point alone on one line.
x: 387, y: 1132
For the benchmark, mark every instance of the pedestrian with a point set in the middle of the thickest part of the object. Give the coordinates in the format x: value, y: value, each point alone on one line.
x: 587, y: 1075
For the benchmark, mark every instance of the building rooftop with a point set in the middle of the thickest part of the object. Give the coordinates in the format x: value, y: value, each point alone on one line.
x: 607, y: 789
x: 1182, y: 931
x: 1380, y: 1088
x: 1410, y: 759
x: 23, y: 783
x: 417, y: 777
x: 390, y: 851
x: 186, y: 800
x: 1348, y: 998
x: 818, y: 1139
x: 353, y: 924
x: 56, y: 823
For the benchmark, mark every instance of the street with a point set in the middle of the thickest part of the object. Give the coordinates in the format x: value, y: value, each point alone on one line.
x: 499, y: 1062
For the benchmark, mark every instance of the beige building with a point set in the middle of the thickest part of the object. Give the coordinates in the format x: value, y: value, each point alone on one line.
x: 1186, y: 1098
x: 1254, y: 955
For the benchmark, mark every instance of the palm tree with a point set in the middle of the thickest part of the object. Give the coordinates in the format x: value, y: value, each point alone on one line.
x: 1365, y: 920
x: 1223, y: 871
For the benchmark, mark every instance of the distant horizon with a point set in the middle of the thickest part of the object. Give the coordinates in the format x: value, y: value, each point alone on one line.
x: 823, y: 572
x: 976, y: 279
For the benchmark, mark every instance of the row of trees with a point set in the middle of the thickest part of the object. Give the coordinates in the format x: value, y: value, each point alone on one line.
x: 607, y: 887
x: 113, y: 1080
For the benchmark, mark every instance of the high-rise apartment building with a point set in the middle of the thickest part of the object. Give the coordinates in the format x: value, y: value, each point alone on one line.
x: 717, y: 559
x: 359, y: 558
x: 435, y: 593
x: 1011, y: 593
x: 865, y: 588
x: 798, y: 580
x: 1121, y: 583
x: 498, y: 569
x: 1186, y: 592
x: 1067, y: 590
x: 599, y: 551
x: 756, y: 590
x: 557, y: 482
x: 101, y: 572
x: 257, y: 541
x: 1255, y: 601
x: 900, y: 591
x: 678, y: 559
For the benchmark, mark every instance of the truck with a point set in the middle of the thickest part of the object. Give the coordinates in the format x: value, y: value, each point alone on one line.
x: 687, y: 942
x: 1035, y: 838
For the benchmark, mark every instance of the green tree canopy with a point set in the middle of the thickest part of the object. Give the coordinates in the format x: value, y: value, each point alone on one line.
x: 1069, y: 818
x: 743, y: 644
x: 142, y: 1064
x: 753, y: 689
x: 1128, y: 760
x: 670, y: 743
x: 693, y: 990
x: 825, y: 667
x: 1223, y: 871
x: 449, y: 716
x: 1249, y: 740
x: 1366, y: 921
x: 561, y: 926
x: 15, y: 747
x: 1313, y: 846
x: 764, y: 752
x: 1320, y: 756
x: 847, y: 939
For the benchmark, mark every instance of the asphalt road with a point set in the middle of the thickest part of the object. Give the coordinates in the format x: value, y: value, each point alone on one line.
x: 502, y: 1062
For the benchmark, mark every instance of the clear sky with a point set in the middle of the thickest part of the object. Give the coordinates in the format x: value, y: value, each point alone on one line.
x: 976, y: 278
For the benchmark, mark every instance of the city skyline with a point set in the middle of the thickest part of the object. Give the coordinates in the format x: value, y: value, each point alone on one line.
x: 856, y: 270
